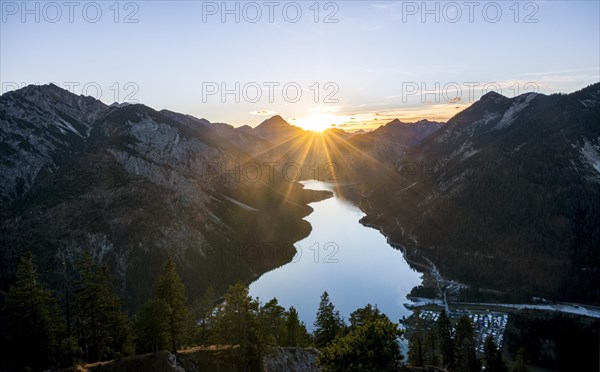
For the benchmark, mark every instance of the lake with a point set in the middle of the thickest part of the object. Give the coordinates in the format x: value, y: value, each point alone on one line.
x: 352, y: 262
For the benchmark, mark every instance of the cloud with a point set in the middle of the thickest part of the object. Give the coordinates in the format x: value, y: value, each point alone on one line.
x: 454, y: 100
x: 263, y: 112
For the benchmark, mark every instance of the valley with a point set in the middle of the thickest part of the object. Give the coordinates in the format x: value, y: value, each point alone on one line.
x: 465, y: 217
x: 300, y: 186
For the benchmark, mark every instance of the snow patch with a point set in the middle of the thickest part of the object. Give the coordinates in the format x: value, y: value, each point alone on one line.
x: 511, y: 114
x: 66, y: 125
x: 592, y: 101
x: 240, y: 204
x: 406, y: 188
x: 468, y: 154
x: 487, y: 117
x: 591, y: 155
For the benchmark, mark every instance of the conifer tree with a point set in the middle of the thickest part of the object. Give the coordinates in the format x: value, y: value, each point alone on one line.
x: 34, y: 318
x: 237, y: 323
x: 151, y: 326
x: 273, y: 319
x: 328, y: 323
x: 430, y: 348
x: 372, y: 346
x: 171, y: 291
x: 204, y: 313
x: 360, y: 316
x: 446, y: 342
x: 520, y: 361
x: 416, y: 348
x: 466, y: 358
x: 100, y: 325
x: 295, y: 330
x: 492, y: 357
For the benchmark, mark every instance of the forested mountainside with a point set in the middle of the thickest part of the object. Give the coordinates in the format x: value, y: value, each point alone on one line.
x: 506, y: 196
x: 131, y: 186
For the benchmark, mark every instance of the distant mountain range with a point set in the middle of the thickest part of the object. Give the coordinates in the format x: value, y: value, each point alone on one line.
x: 503, y: 196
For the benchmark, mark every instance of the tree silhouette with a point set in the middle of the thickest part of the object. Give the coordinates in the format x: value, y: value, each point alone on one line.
x: 296, y: 334
x: 171, y: 291
x: 100, y: 325
x: 446, y: 341
x: 35, y: 325
x: 328, y: 323
x: 492, y: 357
x: 237, y: 323
x: 372, y: 346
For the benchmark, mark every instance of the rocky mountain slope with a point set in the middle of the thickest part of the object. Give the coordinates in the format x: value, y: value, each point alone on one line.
x: 390, y: 141
x: 506, y: 195
x: 131, y: 185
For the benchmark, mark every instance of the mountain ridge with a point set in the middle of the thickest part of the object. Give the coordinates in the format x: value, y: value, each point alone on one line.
x: 504, y: 178
x: 130, y: 186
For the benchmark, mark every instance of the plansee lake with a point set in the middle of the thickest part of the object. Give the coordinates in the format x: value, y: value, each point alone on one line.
x: 352, y: 262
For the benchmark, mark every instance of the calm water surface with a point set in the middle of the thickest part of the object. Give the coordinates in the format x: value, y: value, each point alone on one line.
x: 353, y: 263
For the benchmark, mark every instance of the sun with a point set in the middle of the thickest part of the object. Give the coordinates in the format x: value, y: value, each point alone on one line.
x: 316, y: 122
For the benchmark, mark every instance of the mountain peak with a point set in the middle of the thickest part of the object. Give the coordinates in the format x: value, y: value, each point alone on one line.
x: 492, y: 96
x: 119, y: 105
x: 274, y: 121
x: 50, y: 88
x: 276, y: 129
x: 395, y: 121
x: 53, y: 93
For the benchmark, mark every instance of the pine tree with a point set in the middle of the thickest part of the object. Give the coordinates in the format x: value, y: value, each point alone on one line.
x: 431, y: 348
x: 520, y: 361
x: 328, y: 323
x: 151, y: 326
x: 237, y: 323
x: 273, y: 319
x: 446, y: 341
x: 492, y: 357
x: 204, y: 314
x: 295, y: 330
x: 372, y: 346
x: 466, y: 358
x: 35, y: 322
x: 100, y: 325
x: 360, y: 316
x: 171, y: 291
x: 416, y: 356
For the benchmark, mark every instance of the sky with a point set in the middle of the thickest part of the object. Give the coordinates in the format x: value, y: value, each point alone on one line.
x: 351, y: 64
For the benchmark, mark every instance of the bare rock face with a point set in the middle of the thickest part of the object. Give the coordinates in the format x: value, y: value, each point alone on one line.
x: 292, y: 359
x: 39, y: 127
x: 130, y: 186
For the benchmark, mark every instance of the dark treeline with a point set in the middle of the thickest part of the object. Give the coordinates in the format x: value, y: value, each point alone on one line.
x: 86, y: 324
x: 441, y: 344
